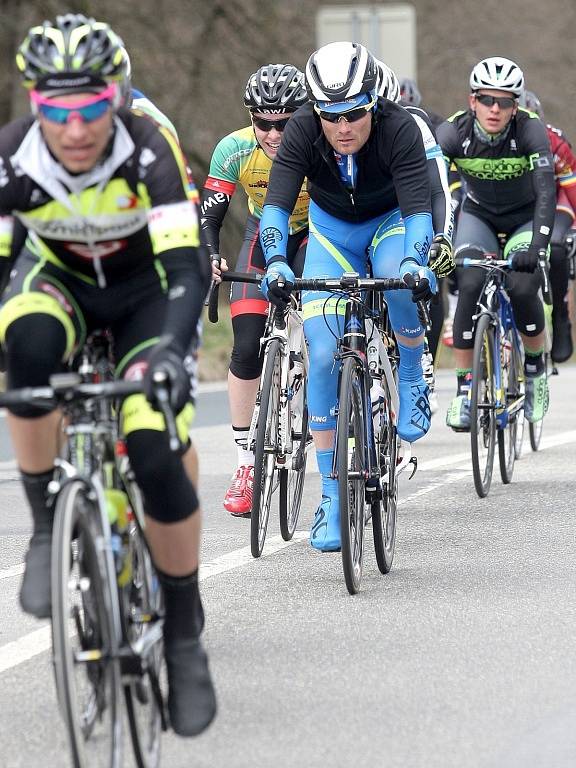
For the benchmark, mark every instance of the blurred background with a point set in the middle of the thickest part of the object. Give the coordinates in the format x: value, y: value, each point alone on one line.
x: 193, y: 57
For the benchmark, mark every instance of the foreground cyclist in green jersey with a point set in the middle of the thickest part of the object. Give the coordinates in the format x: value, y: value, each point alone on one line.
x: 503, y: 155
x: 113, y: 240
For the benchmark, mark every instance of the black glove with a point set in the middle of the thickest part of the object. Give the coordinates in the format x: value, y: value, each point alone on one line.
x: 525, y: 261
x: 278, y: 282
x: 440, y: 256
x: 167, y: 359
x: 422, y: 283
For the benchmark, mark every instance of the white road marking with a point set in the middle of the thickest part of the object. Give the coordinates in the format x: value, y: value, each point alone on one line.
x: 25, y: 648
x: 15, y: 570
x: 34, y: 643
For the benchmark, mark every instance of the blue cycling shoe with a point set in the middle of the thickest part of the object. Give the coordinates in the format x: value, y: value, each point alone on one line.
x: 325, y: 531
x: 415, y: 414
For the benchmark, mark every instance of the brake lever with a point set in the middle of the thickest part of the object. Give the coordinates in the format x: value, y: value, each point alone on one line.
x: 162, y: 395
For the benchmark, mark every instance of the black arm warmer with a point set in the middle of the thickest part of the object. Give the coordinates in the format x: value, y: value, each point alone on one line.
x: 545, y: 205
x: 188, y: 276
x: 213, y: 208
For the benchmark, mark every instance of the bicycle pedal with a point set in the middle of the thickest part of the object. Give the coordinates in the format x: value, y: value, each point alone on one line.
x: 414, y: 462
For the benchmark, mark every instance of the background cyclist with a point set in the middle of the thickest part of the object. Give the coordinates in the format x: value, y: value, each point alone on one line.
x: 504, y: 158
x: 440, y: 257
x: 565, y: 174
x: 273, y: 93
x: 368, y: 182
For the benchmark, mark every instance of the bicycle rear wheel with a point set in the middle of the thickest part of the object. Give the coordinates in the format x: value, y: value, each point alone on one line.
x: 87, y: 676
x: 292, y: 480
x: 351, y: 461
x: 143, y: 609
x: 482, y: 407
x: 384, y: 511
x: 266, y: 445
x: 513, y: 388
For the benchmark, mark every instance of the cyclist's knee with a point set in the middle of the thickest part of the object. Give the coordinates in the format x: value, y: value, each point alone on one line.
x: 35, y: 346
x: 403, y: 313
x: 245, y: 360
x: 169, y: 495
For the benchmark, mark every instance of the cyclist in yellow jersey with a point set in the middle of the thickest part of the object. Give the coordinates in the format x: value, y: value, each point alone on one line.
x: 113, y: 240
x: 245, y: 157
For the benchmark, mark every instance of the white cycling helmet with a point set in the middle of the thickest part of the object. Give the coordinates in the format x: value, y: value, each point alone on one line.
x: 497, y: 74
x: 338, y: 72
x: 388, y: 85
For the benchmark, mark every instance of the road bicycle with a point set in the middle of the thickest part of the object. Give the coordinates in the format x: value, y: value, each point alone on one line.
x: 497, y: 392
x: 279, y: 434
x: 107, y: 605
x: 369, y: 456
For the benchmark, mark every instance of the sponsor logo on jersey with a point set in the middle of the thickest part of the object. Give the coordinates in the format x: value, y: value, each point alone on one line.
x: 125, y: 202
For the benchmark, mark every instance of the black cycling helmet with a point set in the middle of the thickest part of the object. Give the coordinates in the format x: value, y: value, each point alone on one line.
x: 409, y: 93
x: 275, y: 88
x: 73, y: 53
x: 340, y: 71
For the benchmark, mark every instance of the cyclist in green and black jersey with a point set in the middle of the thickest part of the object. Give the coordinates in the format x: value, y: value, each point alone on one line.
x: 503, y: 155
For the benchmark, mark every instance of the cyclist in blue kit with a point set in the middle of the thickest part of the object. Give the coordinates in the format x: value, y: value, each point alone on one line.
x: 369, y: 187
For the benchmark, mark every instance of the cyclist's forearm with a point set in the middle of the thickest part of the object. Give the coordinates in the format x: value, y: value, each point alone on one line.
x: 417, y: 239
x: 544, y: 207
x: 274, y: 231
x: 188, y: 281
x: 213, y: 209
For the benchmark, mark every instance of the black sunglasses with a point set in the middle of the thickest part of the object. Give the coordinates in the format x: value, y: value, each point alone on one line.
x: 504, y: 102
x: 351, y: 116
x: 267, y: 125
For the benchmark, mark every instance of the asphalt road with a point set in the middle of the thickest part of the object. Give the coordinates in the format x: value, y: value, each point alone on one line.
x: 462, y: 657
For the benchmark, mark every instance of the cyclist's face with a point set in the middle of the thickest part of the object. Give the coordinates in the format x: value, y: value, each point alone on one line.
x: 78, y: 145
x: 347, y: 138
x: 494, y: 118
x: 269, y: 138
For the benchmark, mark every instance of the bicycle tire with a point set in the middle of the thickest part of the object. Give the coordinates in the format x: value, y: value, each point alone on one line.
x: 292, y: 480
x: 512, y: 388
x: 535, y: 432
x: 143, y: 604
x: 351, y: 457
x: 384, y: 512
x: 482, y: 406
x: 78, y: 572
x: 264, y: 450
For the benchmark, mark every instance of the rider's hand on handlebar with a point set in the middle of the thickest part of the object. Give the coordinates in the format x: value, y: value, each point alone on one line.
x: 526, y: 261
x: 219, y: 265
x: 167, y: 359
x: 441, y: 257
x: 278, y: 283
x: 422, y: 281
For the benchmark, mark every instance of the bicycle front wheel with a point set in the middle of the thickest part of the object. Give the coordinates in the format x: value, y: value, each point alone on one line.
x: 87, y: 675
x: 142, y: 611
x: 482, y: 407
x: 351, y: 452
x: 266, y: 448
x: 513, y: 388
x: 292, y: 479
x: 384, y: 511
